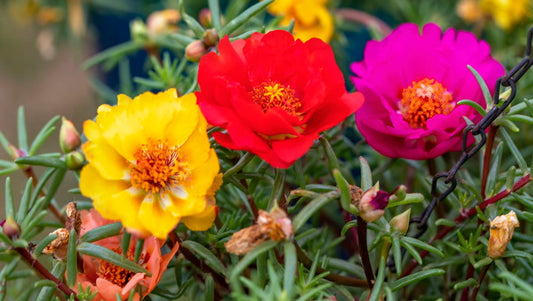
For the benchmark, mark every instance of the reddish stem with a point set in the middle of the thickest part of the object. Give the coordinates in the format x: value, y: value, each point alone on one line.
x: 486, y: 158
x: 523, y: 181
x: 363, y: 251
x: 37, y: 266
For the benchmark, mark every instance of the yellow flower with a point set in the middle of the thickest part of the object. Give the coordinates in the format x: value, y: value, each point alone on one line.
x: 507, y: 13
x: 311, y: 18
x: 150, y: 164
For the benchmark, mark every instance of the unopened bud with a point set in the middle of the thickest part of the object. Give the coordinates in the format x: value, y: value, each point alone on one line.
x: 195, y: 51
x: 400, y: 222
x: 469, y: 10
x: 74, y: 160
x: 501, y: 232
x: 59, y: 246
x: 16, y: 152
x: 11, y: 228
x: 163, y: 21
x: 210, y: 38
x: 205, y: 18
x: 372, y: 204
x: 138, y: 31
x: 69, y: 138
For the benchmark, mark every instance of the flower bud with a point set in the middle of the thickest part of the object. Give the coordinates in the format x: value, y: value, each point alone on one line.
x: 372, y: 204
x: 17, y: 153
x: 195, y: 50
x: 74, y: 160
x: 11, y: 228
x: 400, y: 222
x: 469, y: 10
x: 138, y: 31
x: 69, y: 138
x: 163, y: 21
x: 210, y: 38
x: 501, y: 232
x: 205, y: 18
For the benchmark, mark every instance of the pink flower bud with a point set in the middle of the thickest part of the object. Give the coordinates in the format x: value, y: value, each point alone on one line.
x: 205, y: 18
x: 195, y: 51
x: 401, y: 221
x: 372, y: 204
x: 11, y: 228
x: 69, y: 138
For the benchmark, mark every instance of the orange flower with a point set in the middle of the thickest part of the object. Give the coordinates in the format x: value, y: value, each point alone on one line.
x: 107, y: 279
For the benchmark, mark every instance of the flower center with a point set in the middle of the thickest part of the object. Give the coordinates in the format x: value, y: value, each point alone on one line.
x: 270, y: 94
x: 423, y: 100
x: 158, y: 167
x: 115, y: 274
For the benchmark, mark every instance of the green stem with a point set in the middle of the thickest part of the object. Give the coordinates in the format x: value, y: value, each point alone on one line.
x: 363, y: 251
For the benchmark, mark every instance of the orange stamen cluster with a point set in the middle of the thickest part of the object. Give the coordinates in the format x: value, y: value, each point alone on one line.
x: 115, y: 274
x: 423, y: 100
x: 157, y: 167
x: 270, y: 94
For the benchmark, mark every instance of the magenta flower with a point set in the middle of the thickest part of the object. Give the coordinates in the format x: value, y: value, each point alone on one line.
x: 412, y: 83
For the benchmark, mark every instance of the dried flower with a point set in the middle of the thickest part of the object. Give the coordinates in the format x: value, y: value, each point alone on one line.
x: 151, y: 164
x: 274, y: 225
x: 163, y: 21
x: 59, y: 246
x: 371, y: 203
x: 412, y: 83
x: 501, y: 232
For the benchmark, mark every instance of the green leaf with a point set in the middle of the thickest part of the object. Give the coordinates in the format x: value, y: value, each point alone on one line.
x: 196, y: 27
x: 380, y: 278
x: 346, y: 199
x: 410, y: 198
x: 366, y: 174
x: 422, y: 245
x: 5, y: 144
x: 8, y: 196
x: 474, y: 105
x: 313, y: 206
x: 504, y: 121
x: 30, y: 223
x: 347, y: 226
x: 514, y: 150
x: 41, y: 161
x: 411, y: 251
x: 204, y: 253
x: 115, y: 51
x: 111, y: 257
x: 330, y: 154
x: 209, y: 287
x: 37, y: 192
x: 483, y: 262
x: 521, y: 118
x: 46, y: 292
x: 397, y: 254
x: 43, y: 134
x: 215, y: 14
x: 415, y: 277
x: 6, y: 164
x: 72, y: 259
x: 24, y: 202
x: 465, y: 283
x: 290, y: 269
x: 102, y: 232
x: 8, y: 170
x: 244, y: 17
x: 21, y: 130
x: 517, y: 281
x: 482, y: 85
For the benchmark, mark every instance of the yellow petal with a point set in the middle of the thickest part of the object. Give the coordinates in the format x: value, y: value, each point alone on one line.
x: 125, y: 206
x: 202, y: 177
x: 202, y: 221
x: 184, y: 120
x: 110, y: 164
x: 91, y: 130
x: 196, y: 149
x: 191, y: 205
x: 159, y: 222
x: 100, y: 190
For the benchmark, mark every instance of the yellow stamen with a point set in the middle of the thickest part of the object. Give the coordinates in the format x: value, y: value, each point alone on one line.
x: 423, y: 100
x: 270, y: 94
x: 158, y: 166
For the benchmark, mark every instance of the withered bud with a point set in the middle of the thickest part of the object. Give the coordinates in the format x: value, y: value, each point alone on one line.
x: 69, y: 138
x: 73, y: 217
x: 205, y: 18
x: 372, y: 204
x: 16, y: 152
x: 501, y: 232
x: 163, y: 21
x: 59, y: 246
x: 195, y: 51
x: 401, y: 221
x: 274, y: 225
x: 74, y: 160
x: 210, y: 37
x: 11, y: 228
x: 355, y: 195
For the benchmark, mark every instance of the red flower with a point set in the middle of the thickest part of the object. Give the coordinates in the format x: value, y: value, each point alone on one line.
x: 106, y: 279
x: 273, y: 95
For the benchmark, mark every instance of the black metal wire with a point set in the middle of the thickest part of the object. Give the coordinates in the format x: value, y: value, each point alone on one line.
x: 508, y: 80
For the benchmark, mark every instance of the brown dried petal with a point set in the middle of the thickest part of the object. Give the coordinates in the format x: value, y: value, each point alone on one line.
x: 59, y: 246
x: 501, y: 232
x: 246, y: 239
